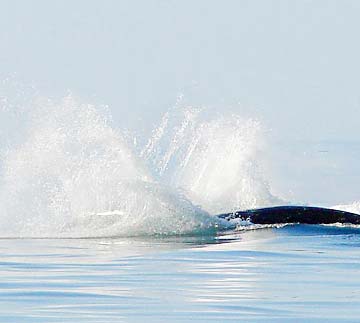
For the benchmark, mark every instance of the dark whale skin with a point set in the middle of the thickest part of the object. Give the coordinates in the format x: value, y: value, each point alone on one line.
x: 293, y: 214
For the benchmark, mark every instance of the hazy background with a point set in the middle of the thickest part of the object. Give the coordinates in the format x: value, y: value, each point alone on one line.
x: 293, y: 64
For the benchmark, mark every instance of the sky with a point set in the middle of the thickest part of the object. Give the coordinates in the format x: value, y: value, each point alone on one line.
x: 293, y: 64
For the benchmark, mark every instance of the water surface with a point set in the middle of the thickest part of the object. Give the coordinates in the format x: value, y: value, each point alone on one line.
x: 299, y: 272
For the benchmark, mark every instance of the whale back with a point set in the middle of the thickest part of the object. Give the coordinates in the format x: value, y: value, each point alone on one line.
x: 293, y: 214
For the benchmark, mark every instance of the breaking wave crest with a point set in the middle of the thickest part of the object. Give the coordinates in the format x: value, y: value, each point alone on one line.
x: 72, y: 174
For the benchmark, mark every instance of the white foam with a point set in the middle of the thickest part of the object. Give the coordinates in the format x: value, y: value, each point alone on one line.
x: 343, y: 225
x: 248, y: 226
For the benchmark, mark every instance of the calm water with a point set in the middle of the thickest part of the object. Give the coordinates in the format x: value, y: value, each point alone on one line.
x: 288, y: 274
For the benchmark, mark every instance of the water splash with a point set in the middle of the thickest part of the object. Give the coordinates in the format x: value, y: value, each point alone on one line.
x: 70, y: 173
x: 214, y: 160
x: 73, y: 168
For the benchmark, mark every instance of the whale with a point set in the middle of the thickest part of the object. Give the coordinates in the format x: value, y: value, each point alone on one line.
x: 293, y: 214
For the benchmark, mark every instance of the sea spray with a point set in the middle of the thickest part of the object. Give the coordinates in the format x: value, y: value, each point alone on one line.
x: 215, y: 160
x: 70, y: 173
x: 72, y: 166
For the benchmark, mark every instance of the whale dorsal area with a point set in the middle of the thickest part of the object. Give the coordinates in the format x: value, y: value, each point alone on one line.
x: 293, y: 214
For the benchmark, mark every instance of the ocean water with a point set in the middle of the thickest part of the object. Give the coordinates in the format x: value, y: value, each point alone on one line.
x: 100, y: 223
x: 290, y: 274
